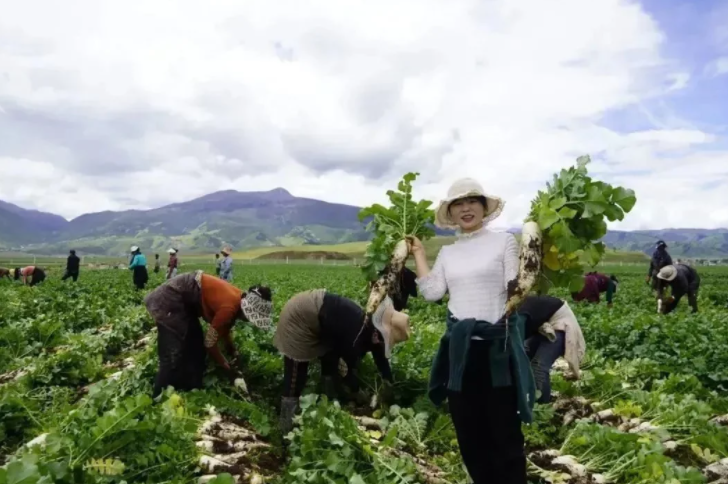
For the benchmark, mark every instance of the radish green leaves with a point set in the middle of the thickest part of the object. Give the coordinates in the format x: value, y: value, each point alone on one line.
x: 404, y: 217
x: 572, y: 213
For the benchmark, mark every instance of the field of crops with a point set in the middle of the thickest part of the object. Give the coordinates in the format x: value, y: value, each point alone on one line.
x: 77, y: 364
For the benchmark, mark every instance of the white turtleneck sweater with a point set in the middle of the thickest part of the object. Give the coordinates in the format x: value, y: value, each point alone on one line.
x: 475, y: 270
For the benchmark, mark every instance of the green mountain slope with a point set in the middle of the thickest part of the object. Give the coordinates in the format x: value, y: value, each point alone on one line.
x: 248, y: 220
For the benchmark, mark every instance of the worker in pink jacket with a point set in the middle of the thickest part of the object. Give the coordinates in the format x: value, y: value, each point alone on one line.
x: 31, y: 275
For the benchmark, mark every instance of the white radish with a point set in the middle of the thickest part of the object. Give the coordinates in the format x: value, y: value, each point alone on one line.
x: 387, y: 282
x: 529, y: 266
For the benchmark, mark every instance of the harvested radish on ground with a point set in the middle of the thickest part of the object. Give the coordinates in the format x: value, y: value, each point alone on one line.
x: 229, y: 446
x: 392, y: 227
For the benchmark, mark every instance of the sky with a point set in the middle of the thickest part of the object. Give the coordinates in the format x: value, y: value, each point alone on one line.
x: 118, y: 105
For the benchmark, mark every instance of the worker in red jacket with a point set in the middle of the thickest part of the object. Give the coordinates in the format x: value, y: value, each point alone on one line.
x: 594, y: 285
x: 176, y: 307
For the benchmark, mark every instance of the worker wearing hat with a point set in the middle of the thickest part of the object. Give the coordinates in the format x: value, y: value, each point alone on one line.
x: 138, y: 266
x: 172, y: 264
x: 682, y: 280
x: 226, y: 266
x: 660, y: 258
x: 317, y: 324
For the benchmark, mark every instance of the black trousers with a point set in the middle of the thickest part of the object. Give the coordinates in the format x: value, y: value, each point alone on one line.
x: 487, y: 424
x: 181, y: 360
x: 295, y: 373
x: 71, y: 274
x: 37, y: 277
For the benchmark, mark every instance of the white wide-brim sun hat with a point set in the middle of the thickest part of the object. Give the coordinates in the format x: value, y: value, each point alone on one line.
x: 393, y: 325
x: 465, y: 188
x: 667, y: 273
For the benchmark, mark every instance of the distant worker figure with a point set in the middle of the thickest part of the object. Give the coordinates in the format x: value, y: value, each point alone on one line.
x: 218, y: 264
x: 73, y: 264
x: 5, y: 273
x: 172, y: 264
x: 682, y: 280
x: 138, y: 265
x: 660, y: 258
x: 31, y: 275
x: 176, y: 307
x: 543, y: 353
x: 156, y: 264
x: 226, y: 266
x: 594, y: 285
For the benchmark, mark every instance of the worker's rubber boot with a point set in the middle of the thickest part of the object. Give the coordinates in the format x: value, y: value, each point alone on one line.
x: 289, y: 405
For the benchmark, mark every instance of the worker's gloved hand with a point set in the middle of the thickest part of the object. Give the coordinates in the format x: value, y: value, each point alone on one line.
x: 647, y: 280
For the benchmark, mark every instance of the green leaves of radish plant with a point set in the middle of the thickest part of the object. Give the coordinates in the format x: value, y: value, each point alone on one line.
x: 572, y: 213
x: 389, y: 225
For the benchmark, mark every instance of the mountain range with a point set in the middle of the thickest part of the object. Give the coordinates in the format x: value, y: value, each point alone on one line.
x: 254, y: 219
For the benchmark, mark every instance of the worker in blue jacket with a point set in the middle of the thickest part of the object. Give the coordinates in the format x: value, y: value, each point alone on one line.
x: 138, y: 266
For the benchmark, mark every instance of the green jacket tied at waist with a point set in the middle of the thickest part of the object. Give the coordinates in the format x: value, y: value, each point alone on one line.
x: 508, y: 359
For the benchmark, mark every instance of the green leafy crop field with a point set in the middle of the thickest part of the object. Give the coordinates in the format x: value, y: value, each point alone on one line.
x: 77, y: 363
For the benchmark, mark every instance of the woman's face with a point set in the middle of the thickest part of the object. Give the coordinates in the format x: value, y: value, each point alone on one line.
x: 467, y: 213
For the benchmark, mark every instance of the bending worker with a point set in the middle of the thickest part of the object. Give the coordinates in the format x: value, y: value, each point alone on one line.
x: 176, y: 307
x: 318, y: 324
x: 594, y: 285
x: 543, y: 353
x: 682, y: 280
x: 31, y: 275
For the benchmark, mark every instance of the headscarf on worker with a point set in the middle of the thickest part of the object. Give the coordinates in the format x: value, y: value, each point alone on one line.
x: 176, y: 307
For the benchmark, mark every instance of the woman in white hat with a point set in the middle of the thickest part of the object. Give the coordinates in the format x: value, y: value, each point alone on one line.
x: 172, y: 264
x: 682, y: 280
x: 319, y: 325
x: 487, y: 400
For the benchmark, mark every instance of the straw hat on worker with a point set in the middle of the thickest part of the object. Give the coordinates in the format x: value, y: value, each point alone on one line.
x: 462, y: 189
x: 667, y: 273
x: 393, y: 325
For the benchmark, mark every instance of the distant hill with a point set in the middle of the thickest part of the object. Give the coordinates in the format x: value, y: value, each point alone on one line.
x: 248, y: 220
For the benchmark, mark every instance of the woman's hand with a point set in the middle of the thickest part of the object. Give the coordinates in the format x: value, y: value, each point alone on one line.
x: 416, y: 247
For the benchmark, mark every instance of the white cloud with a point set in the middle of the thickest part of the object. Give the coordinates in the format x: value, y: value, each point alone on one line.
x: 136, y: 104
x: 717, y: 67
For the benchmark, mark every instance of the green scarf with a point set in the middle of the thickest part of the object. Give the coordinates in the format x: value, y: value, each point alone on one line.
x: 506, y: 352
